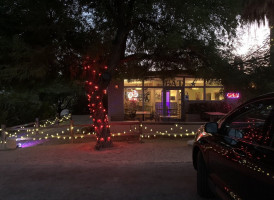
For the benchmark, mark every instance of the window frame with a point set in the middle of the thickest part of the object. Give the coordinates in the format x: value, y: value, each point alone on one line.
x: 242, y: 111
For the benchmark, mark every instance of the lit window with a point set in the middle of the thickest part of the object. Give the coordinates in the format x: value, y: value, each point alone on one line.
x: 132, y: 101
x: 192, y: 82
x: 153, y: 82
x: 213, y: 83
x: 194, y: 94
x: 214, y: 94
x: 132, y: 82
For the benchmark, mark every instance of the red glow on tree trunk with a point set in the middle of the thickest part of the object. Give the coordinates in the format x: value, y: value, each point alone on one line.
x: 96, y: 89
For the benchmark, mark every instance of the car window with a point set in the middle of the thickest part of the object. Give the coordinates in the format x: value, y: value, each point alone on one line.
x: 252, y: 122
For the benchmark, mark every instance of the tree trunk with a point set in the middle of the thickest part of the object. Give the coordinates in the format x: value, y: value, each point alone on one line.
x: 98, y: 79
x: 118, y: 49
x: 100, y: 119
x: 101, y: 75
x: 95, y: 92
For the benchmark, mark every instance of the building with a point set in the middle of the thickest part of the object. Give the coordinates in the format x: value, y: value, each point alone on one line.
x: 161, y: 100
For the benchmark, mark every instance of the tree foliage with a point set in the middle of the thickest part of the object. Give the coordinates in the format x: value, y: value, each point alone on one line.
x: 134, y: 37
x: 256, y: 75
x: 41, y: 45
x: 252, y: 74
x: 44, y: 43
x: 259, y: 11
x: 40, y: 41
x: 163, y: 34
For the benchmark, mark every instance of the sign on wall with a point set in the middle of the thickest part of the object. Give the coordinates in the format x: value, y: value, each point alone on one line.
x: 132, y: 95
x: 174, y: 83
x: 233, y: 95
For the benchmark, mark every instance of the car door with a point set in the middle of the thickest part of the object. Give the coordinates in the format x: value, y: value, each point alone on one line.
x: 223, y: 163
x: 259, y: 163
x: 237, y: 155
x: 260, y: 179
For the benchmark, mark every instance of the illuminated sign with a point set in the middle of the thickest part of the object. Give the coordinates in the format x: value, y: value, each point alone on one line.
x: 132, y: 95
x: 233, y: 95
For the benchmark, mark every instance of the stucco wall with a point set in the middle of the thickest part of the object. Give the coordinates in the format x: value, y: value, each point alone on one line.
x: 116, y: 101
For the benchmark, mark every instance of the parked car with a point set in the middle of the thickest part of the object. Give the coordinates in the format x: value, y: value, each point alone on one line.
x: 234, y: 157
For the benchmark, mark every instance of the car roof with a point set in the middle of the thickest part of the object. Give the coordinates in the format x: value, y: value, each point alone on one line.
x: 261, y: 97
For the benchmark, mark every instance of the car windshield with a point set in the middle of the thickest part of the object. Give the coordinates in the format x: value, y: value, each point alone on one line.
x: 251, y: 123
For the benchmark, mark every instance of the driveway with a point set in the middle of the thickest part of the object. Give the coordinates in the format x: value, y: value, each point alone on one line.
x: 156, y: 169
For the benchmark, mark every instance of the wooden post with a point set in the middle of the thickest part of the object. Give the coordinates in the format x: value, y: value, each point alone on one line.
x: 71, y: 130
x: 140, y: 131
x: 3, y: 132
x: 37, y: 125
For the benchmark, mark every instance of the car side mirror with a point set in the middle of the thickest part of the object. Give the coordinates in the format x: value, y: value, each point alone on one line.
x: 211, y: 127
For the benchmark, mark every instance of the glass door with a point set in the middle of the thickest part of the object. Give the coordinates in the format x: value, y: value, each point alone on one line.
x: 172, y: 102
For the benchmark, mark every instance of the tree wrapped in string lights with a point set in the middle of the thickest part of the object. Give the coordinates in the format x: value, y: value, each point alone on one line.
x: 98, y: 79
x: 130, y: 35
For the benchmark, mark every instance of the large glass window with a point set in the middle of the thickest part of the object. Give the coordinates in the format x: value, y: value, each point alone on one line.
x: 213, y: 94
x: 153, y: 82
x: 133, y: 101
x: 132, y: 82
x: 146, y: 97
x: 173, y: 103
x: 213, y: 83
x: 152, y: 99
x: 192, y: 82
x: 194, y: 94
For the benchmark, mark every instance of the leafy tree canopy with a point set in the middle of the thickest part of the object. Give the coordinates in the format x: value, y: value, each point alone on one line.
x: 161, y: 34
x: 41, y: 44
x: 44, y: 42
x: 259, y: 11
x: 40, y: 41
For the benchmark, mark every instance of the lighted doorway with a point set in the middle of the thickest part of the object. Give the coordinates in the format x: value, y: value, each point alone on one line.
x: 172, y: 101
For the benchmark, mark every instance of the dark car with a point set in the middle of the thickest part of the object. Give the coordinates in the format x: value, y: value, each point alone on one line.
x: 234, y: 157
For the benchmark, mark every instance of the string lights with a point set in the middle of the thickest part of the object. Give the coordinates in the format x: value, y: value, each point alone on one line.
x: 147, y: 133
x: 98, y: 77
x: 56, y: 120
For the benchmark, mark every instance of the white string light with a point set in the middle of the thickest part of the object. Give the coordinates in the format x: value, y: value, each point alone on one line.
x: 33, y: 137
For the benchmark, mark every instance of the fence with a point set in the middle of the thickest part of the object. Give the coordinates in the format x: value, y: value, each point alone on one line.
x: 41, y: 131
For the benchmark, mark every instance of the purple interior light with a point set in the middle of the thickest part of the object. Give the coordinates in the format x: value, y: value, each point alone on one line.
x: 168, y: 101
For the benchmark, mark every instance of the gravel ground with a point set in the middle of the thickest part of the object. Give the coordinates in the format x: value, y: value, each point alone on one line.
x: 155, y: 169
x: 55, y: 169
x: 83, y: 154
